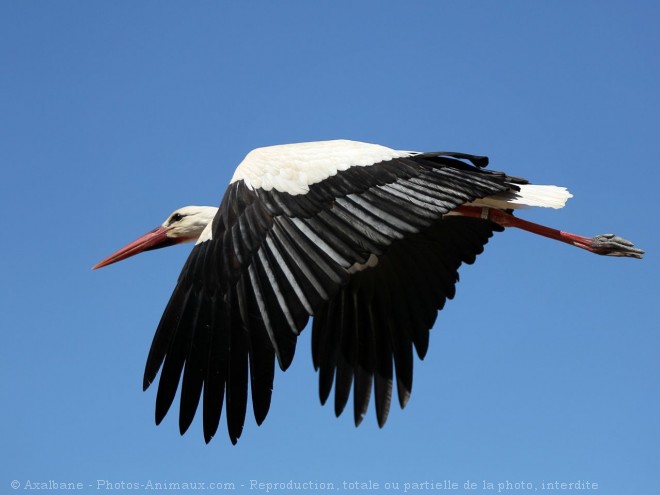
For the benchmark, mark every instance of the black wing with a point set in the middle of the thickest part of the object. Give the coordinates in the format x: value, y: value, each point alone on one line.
x: 366, y: 333
x: 275, y: 259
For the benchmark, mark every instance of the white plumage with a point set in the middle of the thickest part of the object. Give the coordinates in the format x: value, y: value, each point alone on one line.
x: 528, y: 195
x: 292, y: 168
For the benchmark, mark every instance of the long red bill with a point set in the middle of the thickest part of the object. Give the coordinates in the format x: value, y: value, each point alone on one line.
x: 154, y: 239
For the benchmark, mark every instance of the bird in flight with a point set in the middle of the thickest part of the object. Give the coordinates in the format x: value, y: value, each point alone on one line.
x: 365, y: 239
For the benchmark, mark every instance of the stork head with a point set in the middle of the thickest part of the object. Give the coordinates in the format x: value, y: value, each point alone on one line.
x: 183, y: 225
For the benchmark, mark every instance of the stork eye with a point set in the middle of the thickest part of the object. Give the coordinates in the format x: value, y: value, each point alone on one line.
x: 176, y: 218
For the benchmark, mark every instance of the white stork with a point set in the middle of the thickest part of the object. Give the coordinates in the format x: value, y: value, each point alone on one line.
x: 365, y: 239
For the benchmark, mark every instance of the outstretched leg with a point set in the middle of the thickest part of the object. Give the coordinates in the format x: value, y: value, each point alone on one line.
x: 605, y: 244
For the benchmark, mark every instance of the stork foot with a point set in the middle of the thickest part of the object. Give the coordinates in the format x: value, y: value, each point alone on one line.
x: 613, y: 245
x: 604, y: 244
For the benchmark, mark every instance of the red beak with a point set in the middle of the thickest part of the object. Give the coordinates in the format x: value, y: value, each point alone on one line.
x: 155, y: 239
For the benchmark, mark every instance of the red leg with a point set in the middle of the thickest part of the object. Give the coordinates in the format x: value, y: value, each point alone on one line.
x: 605, y: 244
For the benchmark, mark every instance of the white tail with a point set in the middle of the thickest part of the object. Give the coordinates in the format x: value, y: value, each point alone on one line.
x: 528, y: 196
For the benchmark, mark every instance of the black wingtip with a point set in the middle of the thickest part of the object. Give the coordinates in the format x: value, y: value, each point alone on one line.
x: 403, y: 399
x: 323, y: 395
x: 210, y: 424
x: 260, y: 412
x: 403, y: 389
x: 184, y: 424
x: 162, y: 407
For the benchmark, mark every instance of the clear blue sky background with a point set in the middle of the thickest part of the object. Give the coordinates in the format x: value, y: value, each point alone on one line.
x: 113, y: 114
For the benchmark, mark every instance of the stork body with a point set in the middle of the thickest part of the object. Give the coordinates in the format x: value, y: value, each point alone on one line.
x: 366, y: 239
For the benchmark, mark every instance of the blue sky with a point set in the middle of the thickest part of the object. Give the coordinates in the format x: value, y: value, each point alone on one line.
x: 544, y: 368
